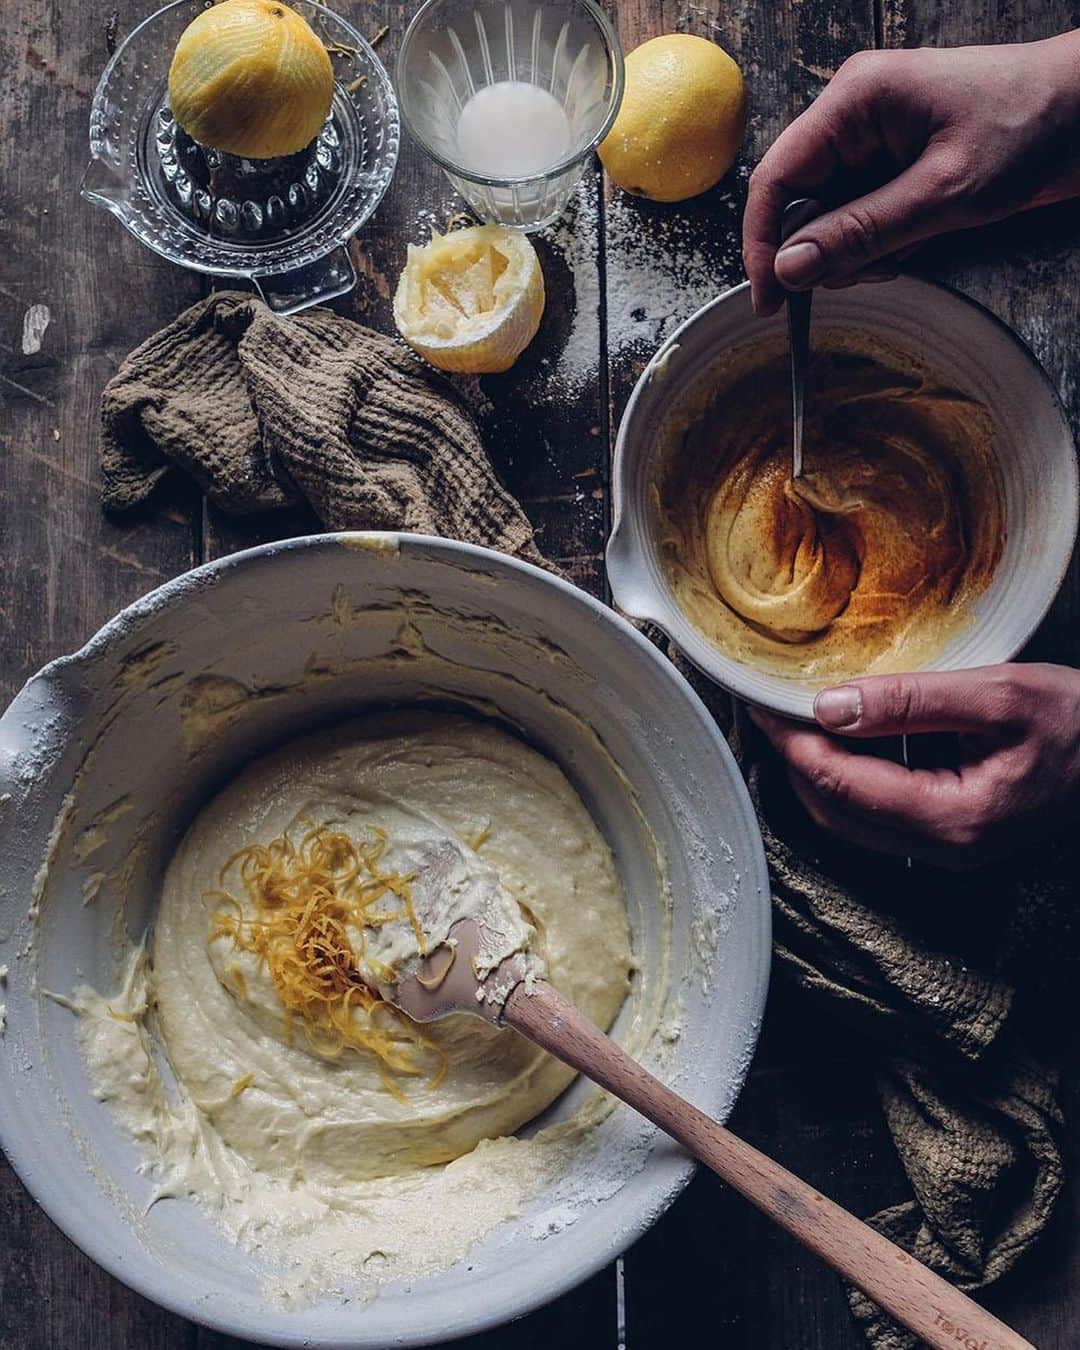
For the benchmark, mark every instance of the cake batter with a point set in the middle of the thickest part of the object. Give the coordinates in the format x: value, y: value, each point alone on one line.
x: 331, y: 1142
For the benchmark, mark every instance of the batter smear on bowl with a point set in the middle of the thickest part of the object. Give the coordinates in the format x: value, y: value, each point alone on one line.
x: 871, y: 559
x: 321, y: 1127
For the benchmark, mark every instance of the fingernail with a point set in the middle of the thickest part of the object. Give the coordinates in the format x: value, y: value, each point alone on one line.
x: 799, y: 264
x: 763, y: 302
x: 839, y: 707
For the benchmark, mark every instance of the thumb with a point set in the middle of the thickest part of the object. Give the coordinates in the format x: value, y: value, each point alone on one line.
x: 902, y: 213
x: 892, y: 705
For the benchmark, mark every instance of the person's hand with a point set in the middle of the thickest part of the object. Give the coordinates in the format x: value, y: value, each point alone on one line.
x: 1017, y: 772
x: 903, y: 145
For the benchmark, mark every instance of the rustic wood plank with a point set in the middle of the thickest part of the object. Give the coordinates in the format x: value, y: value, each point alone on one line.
x: 1027, y: 270
x: 71, y: 267
x: 67, y: 568
x: 715, y: 1257
x: 715, y: 1261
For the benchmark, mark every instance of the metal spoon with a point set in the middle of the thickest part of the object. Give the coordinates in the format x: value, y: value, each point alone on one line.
x: 797, y: 214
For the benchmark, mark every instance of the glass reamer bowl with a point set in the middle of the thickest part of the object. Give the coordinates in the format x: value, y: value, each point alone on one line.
x: 281, y: 225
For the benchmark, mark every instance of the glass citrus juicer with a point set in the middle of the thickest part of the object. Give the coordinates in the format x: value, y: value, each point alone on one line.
x: 280, y: 224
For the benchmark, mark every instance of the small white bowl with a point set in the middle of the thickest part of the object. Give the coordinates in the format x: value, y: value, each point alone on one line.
x: 973, y: 350
x: 102, y: 736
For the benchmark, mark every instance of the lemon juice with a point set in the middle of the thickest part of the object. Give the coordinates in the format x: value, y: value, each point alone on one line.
x: 512, y: 129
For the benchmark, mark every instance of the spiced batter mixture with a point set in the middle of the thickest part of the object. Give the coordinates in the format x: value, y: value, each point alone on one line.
x: 870, y: 561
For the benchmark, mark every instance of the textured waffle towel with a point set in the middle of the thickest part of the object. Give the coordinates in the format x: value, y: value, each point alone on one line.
x: 918, y: 971
x: 264, y: 411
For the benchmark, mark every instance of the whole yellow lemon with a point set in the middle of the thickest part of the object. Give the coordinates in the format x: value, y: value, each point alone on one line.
x: 251, y: 78
x: 681, y: 122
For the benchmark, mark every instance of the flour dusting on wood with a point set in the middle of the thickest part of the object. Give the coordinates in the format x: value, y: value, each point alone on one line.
x: 35, y: 321
x: 660, y: 268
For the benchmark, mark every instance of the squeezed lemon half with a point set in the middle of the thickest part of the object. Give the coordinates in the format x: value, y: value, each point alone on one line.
x: 471, y: 301
x: 250, y: 77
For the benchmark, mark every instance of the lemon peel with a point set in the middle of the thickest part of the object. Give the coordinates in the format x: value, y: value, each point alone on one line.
x: 308, y: 906
x: 251, y: 78
x: 471, y: 301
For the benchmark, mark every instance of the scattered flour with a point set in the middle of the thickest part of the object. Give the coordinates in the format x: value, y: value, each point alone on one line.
x: 35, y: 321
x: 575, y: 236
x: 661, y: 263
x: 553, y: 1221
x: 704, y: 937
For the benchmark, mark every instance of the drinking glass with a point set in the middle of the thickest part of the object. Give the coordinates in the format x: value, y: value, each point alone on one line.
x: 455, y: 48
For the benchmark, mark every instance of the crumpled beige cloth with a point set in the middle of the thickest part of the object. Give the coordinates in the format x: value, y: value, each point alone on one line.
x: 939, y: 984
x: 263, y: 411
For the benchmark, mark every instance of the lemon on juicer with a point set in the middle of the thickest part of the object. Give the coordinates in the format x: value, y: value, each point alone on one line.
x: 471, y: 301
x: 681, y: 122
x: 251, y: 78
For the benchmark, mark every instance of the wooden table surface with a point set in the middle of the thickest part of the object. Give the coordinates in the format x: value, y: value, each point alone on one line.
x: 620, y: 274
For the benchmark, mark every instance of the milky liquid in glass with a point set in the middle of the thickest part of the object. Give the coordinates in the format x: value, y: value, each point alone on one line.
x: 512, y: 129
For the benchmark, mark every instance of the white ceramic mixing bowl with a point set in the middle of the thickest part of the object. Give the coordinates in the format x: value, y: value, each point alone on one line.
x: 971, y: 349
x: 105, y: 755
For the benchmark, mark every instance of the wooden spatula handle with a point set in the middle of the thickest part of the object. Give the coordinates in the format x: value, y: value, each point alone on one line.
x: 924, y: 1302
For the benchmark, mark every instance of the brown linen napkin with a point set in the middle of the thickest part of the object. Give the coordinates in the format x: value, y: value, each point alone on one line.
x: 264, y: 411
x: 920, y: 970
